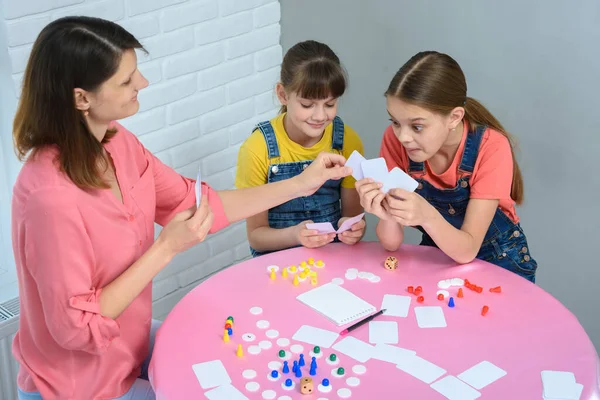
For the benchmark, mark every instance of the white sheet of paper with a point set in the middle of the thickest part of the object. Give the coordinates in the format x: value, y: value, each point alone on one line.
x: 430, y: 317
x: 481, y: 375
x: 375, y: 169
x: 383, y: 332
x: 354, y: 161
x: 211, y: 374
x: 198, y: 189
x: 225, y: 392
x: 454, y: 389
x: 395, y: 305
x: 354, y: 348
x: 397, y: 178
x: 322, y: 227
x: 347, y: 224
x: 315, y: 336
x: 391, y: 354
x: 420, y: 368
x: 560, y: 385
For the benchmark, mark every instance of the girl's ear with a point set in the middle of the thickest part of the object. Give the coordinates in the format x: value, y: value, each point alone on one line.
x: 456, y: 115
x: 281, y: 94
x: 82, y: 101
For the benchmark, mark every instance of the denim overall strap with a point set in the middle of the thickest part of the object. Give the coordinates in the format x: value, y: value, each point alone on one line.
x: 337, y: 142
x: 269, y: 133
x: 469, y: 157
x: 415, y: 167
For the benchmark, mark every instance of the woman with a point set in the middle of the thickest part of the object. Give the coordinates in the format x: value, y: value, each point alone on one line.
x: 83, y: 214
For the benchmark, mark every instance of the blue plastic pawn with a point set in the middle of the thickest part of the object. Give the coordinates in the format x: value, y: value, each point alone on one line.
x: 313, y: 371
x: 298, y: 372
x: 301, y: 362
x: 230, y: 331
x: 325, y: 382
x: 451, y: 302
x: 295, y: 366
x: 274, y: 374
x: 288, y: 382
x: 286, y: 367
x: 313, y: 363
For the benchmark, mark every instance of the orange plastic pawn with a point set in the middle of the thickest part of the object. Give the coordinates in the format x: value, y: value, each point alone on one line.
x: 484, y: 310
x: 410, y: 289
x: 478, y: 289
x: 420, y: 299
x: 440, y: 296
x: 460, y: 293
x: 497, y: 289
x: 240, y: 351
x: 467, y: 283
x: 418, y: 290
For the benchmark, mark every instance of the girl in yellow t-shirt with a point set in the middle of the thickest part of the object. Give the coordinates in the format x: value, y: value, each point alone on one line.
x: 312, y: 80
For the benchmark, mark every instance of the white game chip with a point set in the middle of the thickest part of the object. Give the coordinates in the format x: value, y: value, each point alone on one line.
x: 252, y: 386
x: 249, y: 374
x: 248, y: 337
x: 297, y: 348
x: 337, y: 281
x: 269, y: 394
x: 283, y: 342
x: 265, y: 344
x: 359, y: 369
x: 254, y: 350
x: 272, y: 333
x: 344, y: 393
x: 262, y: 324
x: 353, y: 381
x: 256, y: 310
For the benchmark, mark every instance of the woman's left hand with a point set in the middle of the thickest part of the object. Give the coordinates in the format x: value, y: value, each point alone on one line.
x: 354, y: 234
x: 408, y: 208
x: 325, y: 167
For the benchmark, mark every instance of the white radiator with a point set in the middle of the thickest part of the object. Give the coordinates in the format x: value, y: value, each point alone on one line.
x: 9, y: 324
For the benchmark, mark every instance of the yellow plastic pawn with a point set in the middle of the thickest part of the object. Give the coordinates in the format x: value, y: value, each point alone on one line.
x: 296, y: 281
x: 303, y: 275
x: 303, y: 264
x: 273, y: 276
x: 314, y: 281
x: 293, y: 269
x: 226, y: 336
x: 240, y: 351
x: 284, y: 273
x: 320, y: 263
x: 311, y: 261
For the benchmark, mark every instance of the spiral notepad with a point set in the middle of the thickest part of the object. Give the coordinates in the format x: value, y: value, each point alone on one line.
x: 336, y: 303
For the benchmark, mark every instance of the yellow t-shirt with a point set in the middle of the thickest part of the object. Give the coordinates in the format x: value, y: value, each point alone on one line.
x: 253, y: 157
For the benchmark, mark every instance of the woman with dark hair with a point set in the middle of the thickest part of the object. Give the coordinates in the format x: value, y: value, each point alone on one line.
x: 83, y: 214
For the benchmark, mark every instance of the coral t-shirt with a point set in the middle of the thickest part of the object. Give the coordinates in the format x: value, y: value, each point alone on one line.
x: 491, y: 177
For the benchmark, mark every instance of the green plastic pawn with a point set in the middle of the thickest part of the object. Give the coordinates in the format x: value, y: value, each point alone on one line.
x: 332, y: 357
x: 317, y: 350
x: 340, y: 371
x: 231, y: 318
x: 281, y: 353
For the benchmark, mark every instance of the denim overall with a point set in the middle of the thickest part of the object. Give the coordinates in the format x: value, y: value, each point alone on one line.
x: 323, y: 206
x: 505, y: 243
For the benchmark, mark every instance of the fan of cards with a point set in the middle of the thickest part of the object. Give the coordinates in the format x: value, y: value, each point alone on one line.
x: 377, y: 170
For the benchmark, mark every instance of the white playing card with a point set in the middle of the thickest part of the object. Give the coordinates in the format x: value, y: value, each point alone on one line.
x: 354, y: 162
x: 560, y: 385
x: 211, y: 374
x: 322, y: 227
x: 225, y: 392
x: 383, y: 332
x: 481, y: 375
x: 354, y: 348
x: 198, y: 189
x: 430, y: 317
x: 375, y: 169
x: 391, y: 354
x: 315, y: 336
x: 397, y: 178
x: 347, y: 224
x: 420, y: 368
x: 395, y: 305
x: 455, y: 389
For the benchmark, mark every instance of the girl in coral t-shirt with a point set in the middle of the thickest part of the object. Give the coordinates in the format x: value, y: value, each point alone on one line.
x: 462, y: 157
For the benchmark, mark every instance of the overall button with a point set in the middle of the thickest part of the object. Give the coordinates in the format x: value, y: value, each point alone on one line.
x: 304, y: 166
x: 420, y: 186
x: 526, y: 258
x: 516, y: 233
x: 503, y: 254
x: 275, y: 169
x: 464, y: 184
x: 451, y: 211
x: 524, y: 250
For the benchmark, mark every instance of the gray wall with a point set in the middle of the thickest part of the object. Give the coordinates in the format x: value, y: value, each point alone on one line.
x: 535, y: 64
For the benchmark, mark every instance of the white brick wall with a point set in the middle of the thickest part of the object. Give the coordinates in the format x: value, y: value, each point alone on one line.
x: 212, y: 67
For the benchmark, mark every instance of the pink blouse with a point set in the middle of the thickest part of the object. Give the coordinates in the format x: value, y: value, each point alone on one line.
x: 68, y: 244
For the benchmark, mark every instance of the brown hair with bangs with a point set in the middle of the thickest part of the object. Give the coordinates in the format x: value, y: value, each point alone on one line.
x: 69, y: 53
x: 313, y: 71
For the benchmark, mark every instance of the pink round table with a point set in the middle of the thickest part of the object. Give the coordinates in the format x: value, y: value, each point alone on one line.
x: 525, y: 331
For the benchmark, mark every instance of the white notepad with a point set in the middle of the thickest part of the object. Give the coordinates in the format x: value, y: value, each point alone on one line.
x: 336, y: 303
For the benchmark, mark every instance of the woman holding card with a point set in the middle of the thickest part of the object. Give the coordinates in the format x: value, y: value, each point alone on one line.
x: 462, y: 158
x: 83, y: 214
x: 312, y: 81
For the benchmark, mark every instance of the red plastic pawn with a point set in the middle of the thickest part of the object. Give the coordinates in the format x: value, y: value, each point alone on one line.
x: 227, y: 325
x: 410, y: 289
x: 418, y: 290
x: 478, y: 289
x: 420, y: 299
x: 467, y: 283
x: 440, y: 296
x: 484, y: 310
x: 497, y: 289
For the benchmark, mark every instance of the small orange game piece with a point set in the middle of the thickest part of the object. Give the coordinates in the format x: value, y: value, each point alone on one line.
x: 497, y: 289
x: 440, y: 296
x: 484, y: 310
x: 420, y: 299
x: 418, y: 290
x: 467, y: 283
x: 460, y: 293
x: 478, y: 289
x: 410, y: 289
